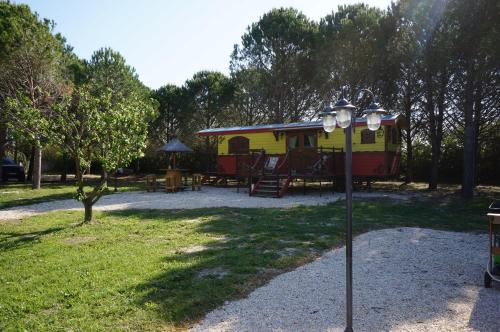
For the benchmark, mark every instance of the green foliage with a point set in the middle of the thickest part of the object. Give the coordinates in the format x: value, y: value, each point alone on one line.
x: 105, y: 128
x: 349, y: 50
x: 249, y: 97
x: 278, y: 49
x: 210, y: 93
x: 104, y: 120
x: 175, y: 111
x: 31, y: 76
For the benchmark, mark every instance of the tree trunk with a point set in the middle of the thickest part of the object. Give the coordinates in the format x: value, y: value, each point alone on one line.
x: 64, y: 172
x: 469, y: 150
x: 30, y: 166
x: 87, y: 203
x: 429, y: 108
x: 37, y: 168
x: 409, y: 158
x: 90, y: 198
x: 478, y: 108
x: 3, y: 142
x: 408, y: 137
x: 433, y: 177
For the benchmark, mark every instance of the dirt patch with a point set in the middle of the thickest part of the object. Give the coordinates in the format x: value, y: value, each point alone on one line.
x: 75, y: 240
x: 10, y: 192
x: 10, y: 222
x: 216, y: 272
x: 192, y: 250
x: 289, y: 252
x: 224, y: 239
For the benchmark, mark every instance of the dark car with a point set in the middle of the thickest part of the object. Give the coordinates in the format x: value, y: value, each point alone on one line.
x: 12, y: 170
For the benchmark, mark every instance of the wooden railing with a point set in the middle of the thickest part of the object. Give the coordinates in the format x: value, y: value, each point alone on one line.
x: 258, y: 165
x: 284, y: 162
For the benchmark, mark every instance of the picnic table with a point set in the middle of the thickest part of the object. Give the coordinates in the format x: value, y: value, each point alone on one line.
x: 176, y: 179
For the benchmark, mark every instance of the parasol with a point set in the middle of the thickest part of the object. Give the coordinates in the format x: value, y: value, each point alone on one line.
x: 174, y: 146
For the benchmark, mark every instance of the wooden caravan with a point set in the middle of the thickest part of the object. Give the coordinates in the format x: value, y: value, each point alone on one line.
x: 273, y: 155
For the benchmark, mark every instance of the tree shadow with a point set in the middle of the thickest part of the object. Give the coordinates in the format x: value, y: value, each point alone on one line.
x: 51, y: 196
x: 248, y: 248
x: 486, y: 312
x: 15, y: 240
x: 403, y: 294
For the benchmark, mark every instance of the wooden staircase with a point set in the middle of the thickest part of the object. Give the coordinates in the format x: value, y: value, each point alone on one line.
x: 270, y: 185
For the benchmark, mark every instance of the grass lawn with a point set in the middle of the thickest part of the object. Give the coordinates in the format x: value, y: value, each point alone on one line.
x: 162, y: 270
x: 15, y: 194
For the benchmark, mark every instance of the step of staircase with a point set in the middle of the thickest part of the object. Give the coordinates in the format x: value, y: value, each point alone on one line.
x: 270, y: 186
x: 265, y: 190
x: 265, y: 194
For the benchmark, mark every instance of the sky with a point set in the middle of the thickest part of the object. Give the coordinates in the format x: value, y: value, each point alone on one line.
x: 167, y: 41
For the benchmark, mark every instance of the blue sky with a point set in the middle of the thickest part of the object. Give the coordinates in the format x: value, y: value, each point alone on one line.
x: 168, y: 41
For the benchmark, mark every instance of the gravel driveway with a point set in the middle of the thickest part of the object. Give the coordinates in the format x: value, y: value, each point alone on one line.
x: 207, y: 197
x: 406, y: 279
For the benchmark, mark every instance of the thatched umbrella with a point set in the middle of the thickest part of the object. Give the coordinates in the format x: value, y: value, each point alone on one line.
x: 174, y: 146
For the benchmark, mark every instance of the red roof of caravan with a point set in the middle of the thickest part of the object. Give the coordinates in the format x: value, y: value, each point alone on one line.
x: 386, y: 120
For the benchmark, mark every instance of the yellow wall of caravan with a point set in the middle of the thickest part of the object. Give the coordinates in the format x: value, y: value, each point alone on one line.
x: 263, y: 140
x: 268, y: 142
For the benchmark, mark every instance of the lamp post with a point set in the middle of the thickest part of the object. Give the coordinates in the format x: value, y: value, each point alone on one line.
x: 341, y: 114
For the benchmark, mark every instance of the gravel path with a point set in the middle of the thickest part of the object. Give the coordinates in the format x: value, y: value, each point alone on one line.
x: 406, y: 279
x: 207, y: 197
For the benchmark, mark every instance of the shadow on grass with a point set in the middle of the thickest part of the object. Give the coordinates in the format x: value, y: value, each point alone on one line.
x: 12, y: 241
x: 21, y: 194
x: 253, y: 245
x: 233, y: 251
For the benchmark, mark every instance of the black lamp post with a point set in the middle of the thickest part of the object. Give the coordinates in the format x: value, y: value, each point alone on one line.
x: 341, y: 114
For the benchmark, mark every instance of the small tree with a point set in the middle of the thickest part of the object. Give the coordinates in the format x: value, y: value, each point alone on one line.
x: 98, y: 128
x: 101, y: 117
x: 105, y: 121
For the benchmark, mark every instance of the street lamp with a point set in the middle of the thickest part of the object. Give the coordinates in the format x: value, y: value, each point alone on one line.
x: 341, y: 114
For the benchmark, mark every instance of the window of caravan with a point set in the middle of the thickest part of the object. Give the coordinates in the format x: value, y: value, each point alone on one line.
x: 239, y: 145
x: 309, y: 141
x: 293, y: 142
x: 367, y: 136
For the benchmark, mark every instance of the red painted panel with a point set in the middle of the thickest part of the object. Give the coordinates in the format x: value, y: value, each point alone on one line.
x: 364, y: 164
x: 233, y: 165
x: 369, y: 164
x: 226, y: 165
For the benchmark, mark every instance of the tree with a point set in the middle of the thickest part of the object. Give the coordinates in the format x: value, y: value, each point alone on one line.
x: 348, y: 50
x: 475, y: 32
x: 104, y: 130
x: 434, y: 74
x: 30, y: 76
x: 102, y: 117
x: 279, y: 47
x: 404, y: 54
x: 211, y: 94
x: 248, y: 100
x: 174, y: 112
x: 105, y: 121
